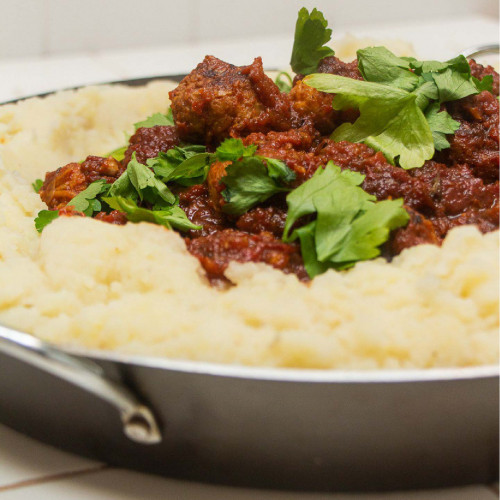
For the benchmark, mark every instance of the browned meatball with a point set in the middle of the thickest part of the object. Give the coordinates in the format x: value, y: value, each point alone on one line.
x: 218, y: 100
x: 65, y: 183
x: 147, y: 142
x: 311, y: 105
x: 216, y: 251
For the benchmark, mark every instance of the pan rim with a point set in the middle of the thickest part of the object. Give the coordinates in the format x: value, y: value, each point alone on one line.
x: 281, y: 374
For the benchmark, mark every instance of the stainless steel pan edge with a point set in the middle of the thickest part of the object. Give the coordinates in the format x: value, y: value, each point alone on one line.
x: 269, y: 427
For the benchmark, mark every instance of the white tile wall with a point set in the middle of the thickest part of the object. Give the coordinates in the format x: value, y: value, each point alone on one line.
x: 43, y: 27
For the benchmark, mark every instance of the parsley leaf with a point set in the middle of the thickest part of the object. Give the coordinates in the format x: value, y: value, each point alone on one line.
x: 156, y: 119
x: 284, y: 81
x: 147, y: 186
x: 378, y: 64
x: 390, y: 119
x: 37, y: 185
x: 186, y: 165
x: 118, y: 154
x: 399, y: 102
x: 250, y: 179
x: 86, y: 201
x: 233, y: 149
x: 44, y: 218
x: 311, y: 35
x: 170, y: 217
x: 440, y: 123
x: 249, y: 182
x: 350, y: 224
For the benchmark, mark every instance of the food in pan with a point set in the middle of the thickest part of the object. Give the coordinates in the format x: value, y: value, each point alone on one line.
x: 267, y: 205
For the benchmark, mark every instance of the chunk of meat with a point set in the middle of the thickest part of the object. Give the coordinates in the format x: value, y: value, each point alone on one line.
x: 200, y: 210
x: 295, y: 147
x: 419, y: 230
x: 216, y: 251
x: 147, y: 142
x: 114, y: 217
x: 63, y: 184
x: 455, y: 189
x: 312, y: 106
x: 216, y: 172
x: 218, y: 100
x: 476, y: 142
x: 263, y: 219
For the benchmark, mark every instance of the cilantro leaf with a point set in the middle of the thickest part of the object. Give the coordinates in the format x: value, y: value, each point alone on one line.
x: 44, y: 218
x: 156, y: 119
x: 86, y: 201
x: 233, y: 149
x: 171, y: 217
x: 284, y: 81
x: 249, y: 182
x: 350, y: 224
x: 37, y: 185
x: 311, y: 35
x: 441, y: 123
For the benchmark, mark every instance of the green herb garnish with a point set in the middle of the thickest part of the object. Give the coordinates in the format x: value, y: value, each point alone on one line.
x: 44, y: 218
x: 311, y: 35
x: 350, y: 225
x: 37, y: 185
x: 186, y: 165
x: 284, y: 81
x: 170, y: 217
x: 156, y: 119
x: 250, y: 179
x: 399, y: 103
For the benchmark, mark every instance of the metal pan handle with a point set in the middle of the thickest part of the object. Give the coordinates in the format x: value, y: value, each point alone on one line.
x: 139, y: 423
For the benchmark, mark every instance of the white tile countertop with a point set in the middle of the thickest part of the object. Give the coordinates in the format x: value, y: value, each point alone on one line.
x: 31, y: 470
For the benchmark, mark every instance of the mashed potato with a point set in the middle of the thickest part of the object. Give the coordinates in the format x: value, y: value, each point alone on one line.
x: 136, y: 289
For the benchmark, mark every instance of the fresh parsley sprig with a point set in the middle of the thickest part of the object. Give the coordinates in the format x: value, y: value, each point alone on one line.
x: 399, y: 102
x: 350, y: 225
x: 250, y: 179
x: 311, y: 37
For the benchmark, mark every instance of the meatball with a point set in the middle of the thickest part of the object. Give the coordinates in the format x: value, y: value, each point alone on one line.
x: 147, y: 142
x: 65, y: 183
x: 218, y: 100
x: 312, y: 106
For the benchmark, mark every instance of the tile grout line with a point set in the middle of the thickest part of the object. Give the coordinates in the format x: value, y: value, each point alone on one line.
x: 52, y: 477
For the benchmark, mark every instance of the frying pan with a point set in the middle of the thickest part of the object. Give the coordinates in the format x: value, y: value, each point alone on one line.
x: 257, y: 427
